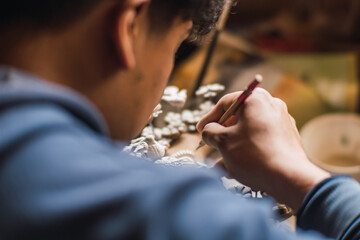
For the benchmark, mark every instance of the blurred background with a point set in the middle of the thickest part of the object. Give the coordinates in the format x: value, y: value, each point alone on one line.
x: 306, y: 50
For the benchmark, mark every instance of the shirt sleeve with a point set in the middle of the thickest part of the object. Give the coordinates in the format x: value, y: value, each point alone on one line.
x: 333, y: 208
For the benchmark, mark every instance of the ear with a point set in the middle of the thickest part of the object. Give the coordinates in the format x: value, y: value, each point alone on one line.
x: 125, y: 31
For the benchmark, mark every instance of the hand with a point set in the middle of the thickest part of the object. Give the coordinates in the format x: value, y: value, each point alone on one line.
x: 261, y: 147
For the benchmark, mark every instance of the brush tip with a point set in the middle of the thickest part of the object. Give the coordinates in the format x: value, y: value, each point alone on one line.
x: 201, y: 144
x: 259, y: 78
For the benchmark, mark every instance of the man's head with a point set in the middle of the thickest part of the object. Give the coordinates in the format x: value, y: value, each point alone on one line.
x: 118, y: 53
x: 52, y: 14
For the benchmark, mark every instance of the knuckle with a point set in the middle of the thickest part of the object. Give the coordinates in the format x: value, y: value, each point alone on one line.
x: 279, y: 100
x: 255, y: 99
x: 262, y: 92
x: 292, y: 119
x: 281, y: 103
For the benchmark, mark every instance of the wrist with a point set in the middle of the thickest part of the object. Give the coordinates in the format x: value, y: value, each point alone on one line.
x: 295, y: 183
x: 304, y: 183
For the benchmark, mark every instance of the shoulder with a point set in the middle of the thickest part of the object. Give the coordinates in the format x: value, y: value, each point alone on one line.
x: 46, y: 129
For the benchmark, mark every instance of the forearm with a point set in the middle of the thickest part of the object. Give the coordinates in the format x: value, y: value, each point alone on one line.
x: 333, y: 208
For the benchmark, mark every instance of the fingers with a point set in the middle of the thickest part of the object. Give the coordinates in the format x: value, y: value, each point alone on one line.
x: 293, y: 121
x: 281, y: 103
x: 259, y: 101
x: 220, y: 108
x: 259, y: 97
x: 216, y: 135
x: 261, y: 93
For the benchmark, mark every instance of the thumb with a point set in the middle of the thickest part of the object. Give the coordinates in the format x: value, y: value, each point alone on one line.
x: 215, y: 135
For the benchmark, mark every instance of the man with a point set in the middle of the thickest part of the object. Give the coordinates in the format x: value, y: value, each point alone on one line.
x: 78, y: 75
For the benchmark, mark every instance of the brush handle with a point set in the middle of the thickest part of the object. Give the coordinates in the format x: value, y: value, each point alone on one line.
x: 241, y: 99
x: 229, y: 112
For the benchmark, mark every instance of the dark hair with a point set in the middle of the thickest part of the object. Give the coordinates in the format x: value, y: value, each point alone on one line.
x: 203, y: 13
x: 56, y: 13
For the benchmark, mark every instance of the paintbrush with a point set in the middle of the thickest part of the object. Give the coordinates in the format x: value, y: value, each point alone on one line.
x: 211, y: 50
x: 239, y: 101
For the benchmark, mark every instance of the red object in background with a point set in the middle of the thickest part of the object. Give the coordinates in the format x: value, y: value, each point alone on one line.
x: 284, y: 45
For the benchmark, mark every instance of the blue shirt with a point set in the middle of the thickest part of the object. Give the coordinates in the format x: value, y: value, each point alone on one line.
x: 61, y: 177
